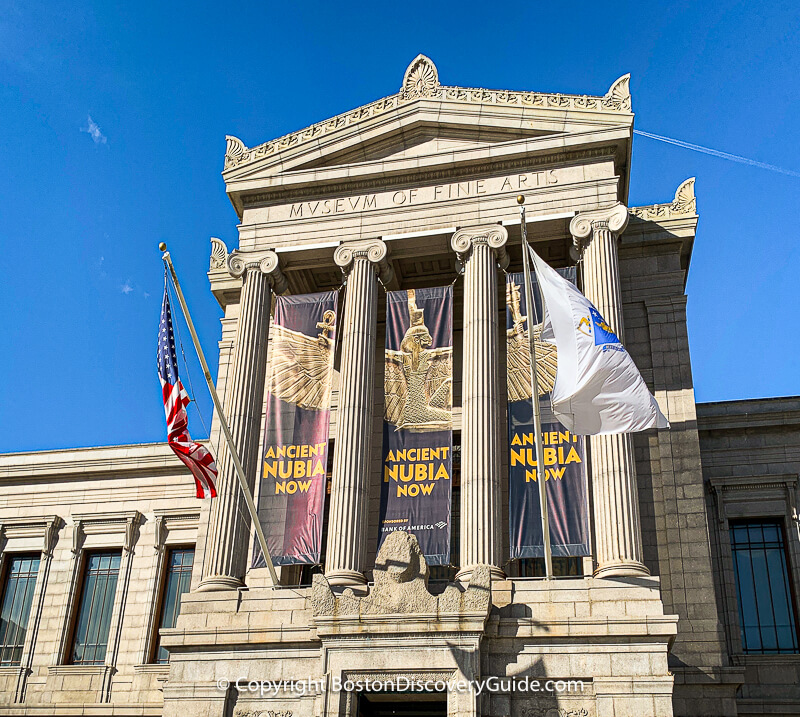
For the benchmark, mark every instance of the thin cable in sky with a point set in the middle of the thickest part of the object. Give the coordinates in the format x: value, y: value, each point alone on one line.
x: 717, y: 153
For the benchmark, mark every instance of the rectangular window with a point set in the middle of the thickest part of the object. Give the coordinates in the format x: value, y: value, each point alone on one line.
x: 16, y: 606
x: 766, y: 609
x: 93, y: 620
x: 563, y: 567
x: 177, y: 581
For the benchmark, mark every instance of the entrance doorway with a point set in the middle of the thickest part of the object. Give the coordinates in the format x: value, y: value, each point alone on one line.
x: 376, y: 704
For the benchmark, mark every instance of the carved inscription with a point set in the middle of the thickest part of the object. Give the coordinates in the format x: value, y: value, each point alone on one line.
x: 419, y: 195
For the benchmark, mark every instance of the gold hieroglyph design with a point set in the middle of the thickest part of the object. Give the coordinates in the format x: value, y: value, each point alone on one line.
x: 418, y: 385
x: 519, y: 353
x: 300, y: 366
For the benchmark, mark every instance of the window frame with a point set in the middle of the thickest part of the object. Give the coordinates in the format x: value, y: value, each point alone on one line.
x: 78, y: 603
x: 155, y: 641
x: 5, y: 574
x: 173, y: 527
x: 750, y: 497
x: 779, y: 523
x: 102, y: 531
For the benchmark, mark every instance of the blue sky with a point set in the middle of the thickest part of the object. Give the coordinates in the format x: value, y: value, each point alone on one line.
x: 113, y: 126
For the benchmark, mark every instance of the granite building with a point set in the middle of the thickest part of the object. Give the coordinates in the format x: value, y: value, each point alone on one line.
x: 121, y: 594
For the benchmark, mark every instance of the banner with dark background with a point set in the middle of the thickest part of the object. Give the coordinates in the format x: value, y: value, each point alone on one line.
x: 416, y: 486
x: 293, y: 482
x: 564, y: 453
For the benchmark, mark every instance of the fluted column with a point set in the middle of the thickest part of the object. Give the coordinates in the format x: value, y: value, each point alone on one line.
x: 618, y: 533
x: 480, y: 249
x: 347, y: 521
x: 224, y: 565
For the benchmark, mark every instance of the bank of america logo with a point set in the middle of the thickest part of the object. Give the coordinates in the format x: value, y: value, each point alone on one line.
x: 441, y: 524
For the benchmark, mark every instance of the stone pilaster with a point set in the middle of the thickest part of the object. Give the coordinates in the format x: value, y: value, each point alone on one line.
x: 224, y: 565
x: 480, y: 249
x: 618, y: 537
x: 347, y: 523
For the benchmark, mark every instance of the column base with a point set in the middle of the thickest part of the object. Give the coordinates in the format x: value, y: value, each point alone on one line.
x: 465, y: 574
x: 622, y: 569
x: 219, y: 582
x: 341, y: 579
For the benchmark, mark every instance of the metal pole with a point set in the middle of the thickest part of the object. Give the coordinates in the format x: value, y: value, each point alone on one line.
x: 537, y: 414
x: 251, y: 506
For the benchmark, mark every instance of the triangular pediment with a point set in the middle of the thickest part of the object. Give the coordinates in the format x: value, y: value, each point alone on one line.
x: 424, y: 121
x: 420, y: 140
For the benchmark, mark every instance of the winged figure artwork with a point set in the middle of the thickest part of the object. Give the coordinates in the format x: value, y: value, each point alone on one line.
x: 519, y: 353
x: 300, y: 366
x: 418, y: 384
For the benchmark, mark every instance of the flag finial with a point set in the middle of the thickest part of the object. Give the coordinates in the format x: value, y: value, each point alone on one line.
x: 162, y: 246
x: 520, y: 199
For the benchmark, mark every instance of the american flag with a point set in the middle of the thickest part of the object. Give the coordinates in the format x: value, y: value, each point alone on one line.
x: 196, y: 457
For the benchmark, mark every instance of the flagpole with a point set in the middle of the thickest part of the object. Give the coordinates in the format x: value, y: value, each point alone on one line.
x: 537, y: 413
x: 251, y: 506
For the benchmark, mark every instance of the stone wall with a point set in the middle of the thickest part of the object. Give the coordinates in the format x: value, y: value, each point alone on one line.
x: 64, y: 503
x: 751, y: 465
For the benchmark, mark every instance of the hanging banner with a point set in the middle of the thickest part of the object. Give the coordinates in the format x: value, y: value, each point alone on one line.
x: 564, y: 453
x: 418, y: 422
x: 293, y: 472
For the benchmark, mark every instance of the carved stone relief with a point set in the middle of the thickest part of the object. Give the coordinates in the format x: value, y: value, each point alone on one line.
x: 401, y: 586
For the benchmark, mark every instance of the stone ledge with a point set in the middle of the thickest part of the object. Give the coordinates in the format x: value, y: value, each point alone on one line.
x: 714, y: 676
x: 141, y: 709
x: 178, y: 638
x: 399, y: 623
x: 78, y: 669
x: 648, y: 629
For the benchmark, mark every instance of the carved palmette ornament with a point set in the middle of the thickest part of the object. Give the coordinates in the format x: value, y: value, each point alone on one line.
x: 684, y: 204
x: 219, y: 254
x: 421, y: 79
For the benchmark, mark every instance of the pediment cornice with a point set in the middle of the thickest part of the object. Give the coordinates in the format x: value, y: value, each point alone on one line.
x: 421, y: 89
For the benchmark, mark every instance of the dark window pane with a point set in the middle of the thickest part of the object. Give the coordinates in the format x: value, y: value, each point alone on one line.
x: 766, y: 611
x: 15, y: 608
x: 95, y: 609
x: 177, y: 581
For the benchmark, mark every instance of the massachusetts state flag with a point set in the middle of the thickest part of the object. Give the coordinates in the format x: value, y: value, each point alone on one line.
x: 196, y: 457
x: 598, y: 388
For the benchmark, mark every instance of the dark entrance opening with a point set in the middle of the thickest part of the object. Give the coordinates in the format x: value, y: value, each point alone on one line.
x: 376, y: 704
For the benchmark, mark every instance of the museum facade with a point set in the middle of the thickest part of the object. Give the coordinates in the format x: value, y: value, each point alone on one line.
x: 122, y: 594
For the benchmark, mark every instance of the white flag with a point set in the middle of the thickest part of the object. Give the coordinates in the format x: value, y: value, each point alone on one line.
x: 598, y: 388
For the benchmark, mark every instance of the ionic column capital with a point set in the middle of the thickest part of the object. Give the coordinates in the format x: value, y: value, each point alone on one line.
x: 494, y: 236
x: 266, y: 262
x: 374, y: 251
x: 586, y: 224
